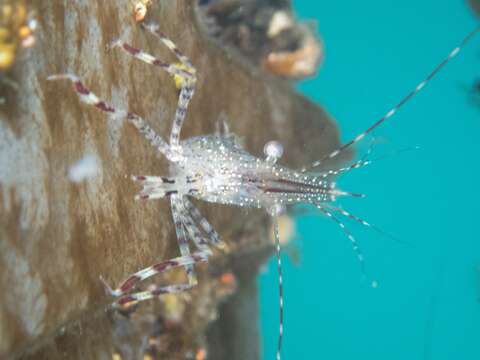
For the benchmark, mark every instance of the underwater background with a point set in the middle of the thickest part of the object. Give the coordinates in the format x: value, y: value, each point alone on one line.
x: 427, y: 303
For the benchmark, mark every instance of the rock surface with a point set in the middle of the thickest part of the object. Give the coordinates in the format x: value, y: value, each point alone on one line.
x: 57, y: 237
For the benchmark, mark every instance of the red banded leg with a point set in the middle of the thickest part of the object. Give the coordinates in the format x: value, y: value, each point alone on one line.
x: 185, y: 71
x: 128, y: 284
x: 184, y: 75
x: 185, y: 83
x: 154, y: 29
x: 90, y: 98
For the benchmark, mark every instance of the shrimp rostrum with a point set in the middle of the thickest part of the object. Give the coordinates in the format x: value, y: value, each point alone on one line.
x: 216, y: 169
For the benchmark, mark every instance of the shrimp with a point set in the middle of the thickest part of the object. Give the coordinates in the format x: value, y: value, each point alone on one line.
x: 215, y: 168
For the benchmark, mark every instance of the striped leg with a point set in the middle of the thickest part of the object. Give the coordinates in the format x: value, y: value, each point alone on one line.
x: 172, y: 69
x: 212, y: 235
x: 193, y: 230
x: 128, y: 284
x: 186, y: 94
x: 185, y: 84
x: 154, y: 29
x: 175, y: 202
x: 184, y: 75
x: 90, y: 98
x: 154, y: 187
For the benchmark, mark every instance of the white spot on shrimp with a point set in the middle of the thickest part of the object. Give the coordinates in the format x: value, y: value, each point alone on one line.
x: 454, y: 52
x: 360, y: 137
x: 390, y: 113
x: 420, y: 86
x: 333, y: 154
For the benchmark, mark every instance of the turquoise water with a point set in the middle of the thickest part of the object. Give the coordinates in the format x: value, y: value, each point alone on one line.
x: 427, y: 303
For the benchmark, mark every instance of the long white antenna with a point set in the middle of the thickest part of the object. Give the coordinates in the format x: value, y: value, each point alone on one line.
x: 402, y: 102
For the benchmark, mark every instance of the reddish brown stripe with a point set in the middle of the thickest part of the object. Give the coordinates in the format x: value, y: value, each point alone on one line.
x: 159, y: 63
x: 130, y: 49
x: 276, y: 190
x: 81, y: 89
x: 128, y: 284
x: 125, y: 300
x: 164, y: 265
x: 104, y: 107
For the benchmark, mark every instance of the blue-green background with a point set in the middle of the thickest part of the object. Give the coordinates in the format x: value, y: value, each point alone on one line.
x: 426, y: 305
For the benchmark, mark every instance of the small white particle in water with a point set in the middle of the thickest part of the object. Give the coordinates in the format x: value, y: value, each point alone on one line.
x: 85, y: 168
x: 374, y: 284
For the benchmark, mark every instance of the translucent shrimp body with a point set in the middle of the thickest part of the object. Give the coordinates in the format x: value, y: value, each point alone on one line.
x: 216, y: 169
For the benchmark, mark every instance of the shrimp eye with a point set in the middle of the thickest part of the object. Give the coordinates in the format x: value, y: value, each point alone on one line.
x: 273, y: 150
